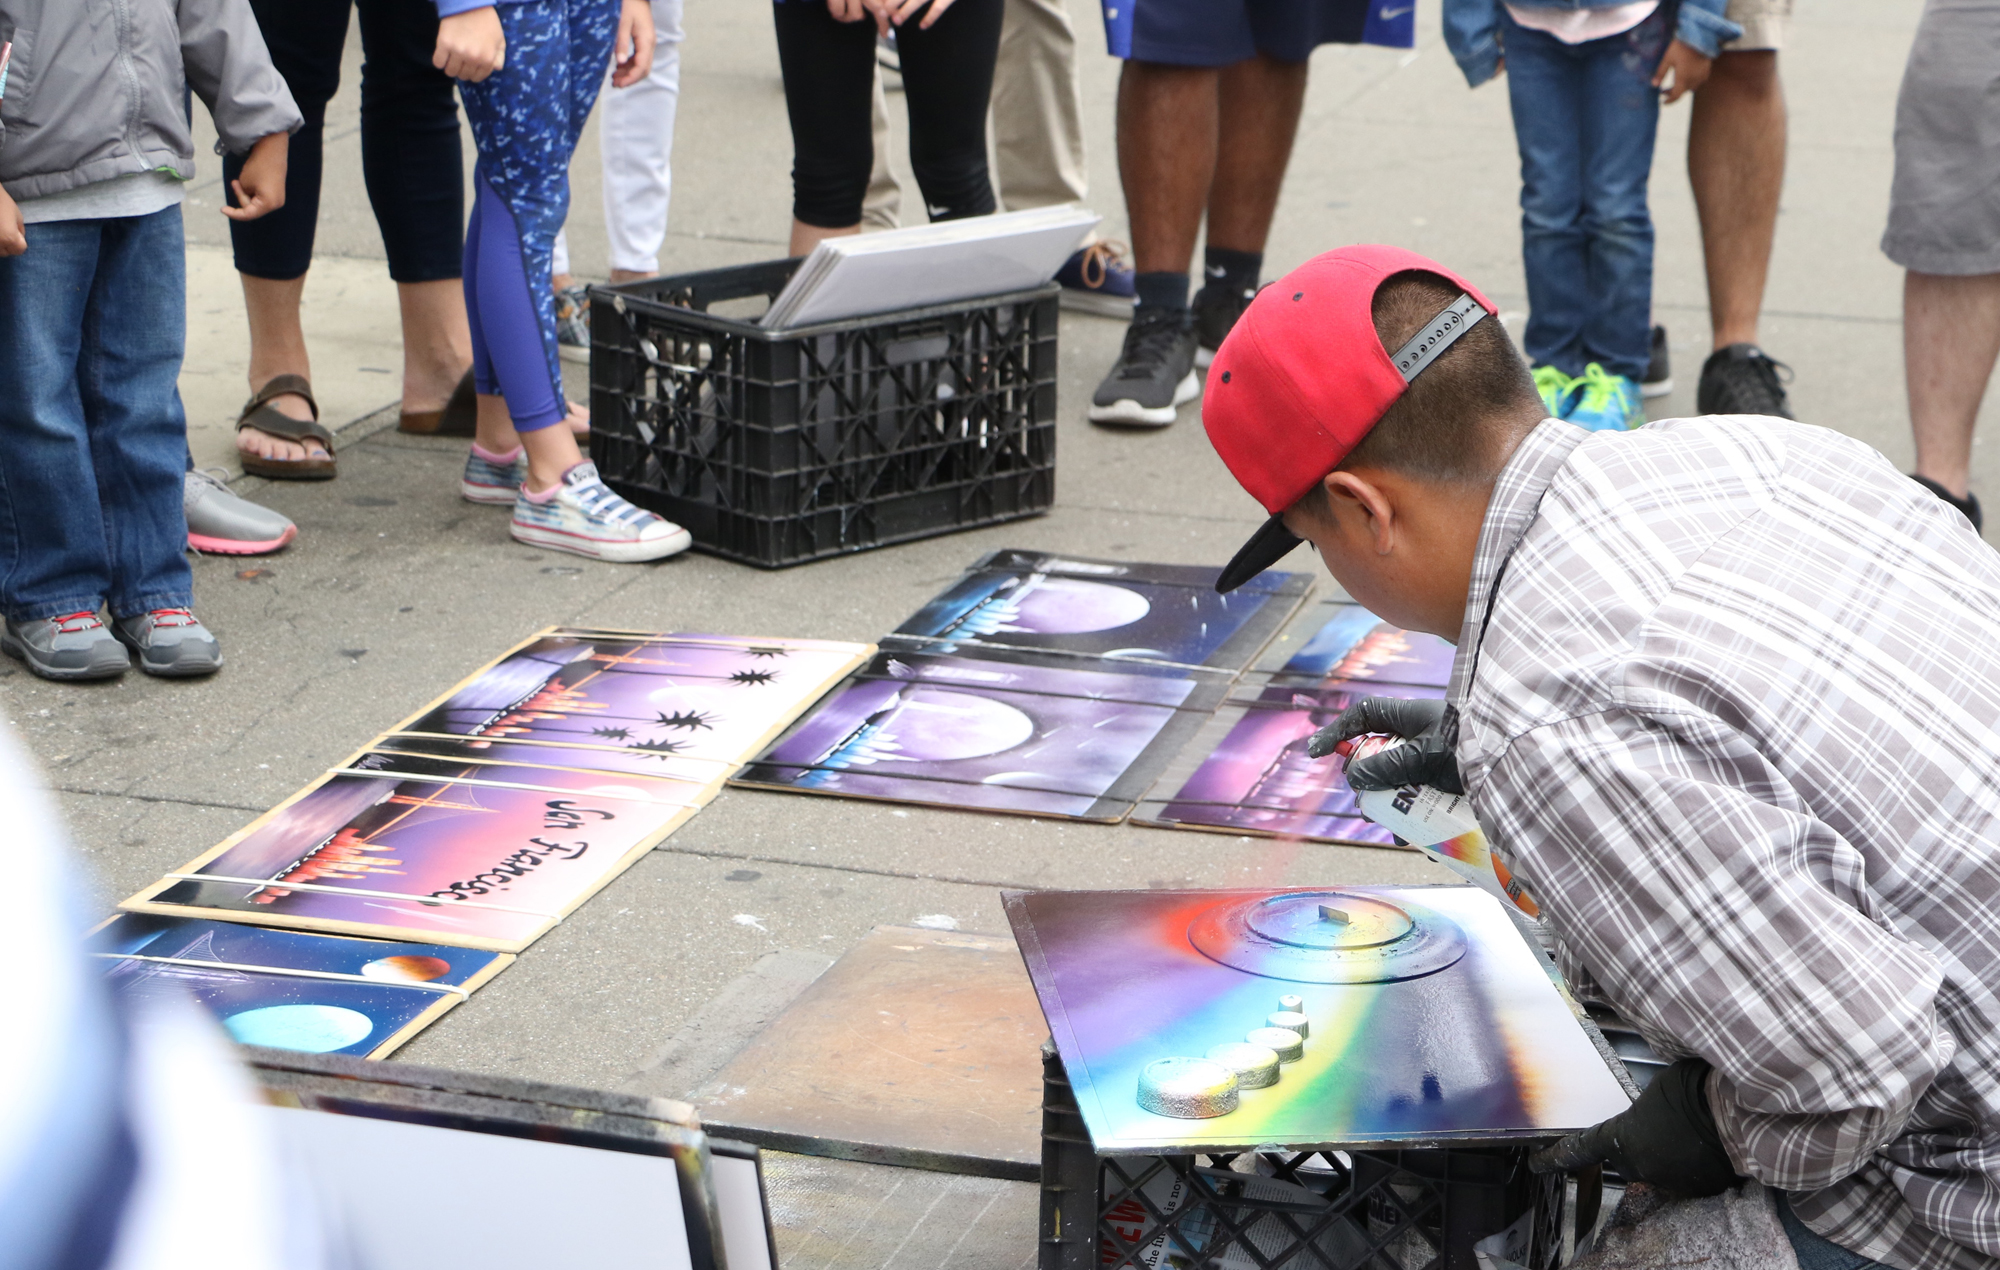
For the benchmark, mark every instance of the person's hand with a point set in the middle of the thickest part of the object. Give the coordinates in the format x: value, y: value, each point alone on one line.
x: 1429, y: 727
x: 898, y: 12
x: 1499, y: 68
x: 632, y: 52
x: 260, y: 187
x: 13, y: 232
x: 1667, y: 1139
x: 471, y: 45
x: 1688, y: 68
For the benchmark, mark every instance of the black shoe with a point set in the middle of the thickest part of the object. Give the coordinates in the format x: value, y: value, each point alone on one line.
x: 1216, y: 307
x: 1154, y: 374
x: 1659, y: 379
x: 1741, y: 379
x: 1967, y: 507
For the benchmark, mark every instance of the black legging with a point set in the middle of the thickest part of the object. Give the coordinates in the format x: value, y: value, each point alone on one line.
x: 829, y: 69
x: 410, y: 156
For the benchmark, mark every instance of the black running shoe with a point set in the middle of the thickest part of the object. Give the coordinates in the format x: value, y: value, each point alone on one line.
x: 1216, y: 307
x: 1967, y: 507
x: 1742, y: 379
x: 1154, y: 374
x: 1659, y: 379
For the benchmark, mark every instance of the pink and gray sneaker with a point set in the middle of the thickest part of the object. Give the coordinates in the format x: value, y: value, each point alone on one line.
x: 222, y: 523
x: 493, y: 479
x: 581, y: 515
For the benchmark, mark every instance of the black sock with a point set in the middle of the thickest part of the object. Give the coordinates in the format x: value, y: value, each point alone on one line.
x: 1234, y: 270
x: 1161, y: 290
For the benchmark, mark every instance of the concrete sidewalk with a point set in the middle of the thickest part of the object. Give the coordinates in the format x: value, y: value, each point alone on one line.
x: 396, y: 588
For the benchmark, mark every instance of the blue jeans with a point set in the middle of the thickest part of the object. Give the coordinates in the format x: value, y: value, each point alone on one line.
x: 1816, y: 1251
x: 93, y: 441
x: 1584, y: 118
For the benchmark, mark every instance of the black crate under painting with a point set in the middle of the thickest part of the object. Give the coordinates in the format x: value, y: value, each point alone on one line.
x: 776, y: 448
x: 1278, y: 1209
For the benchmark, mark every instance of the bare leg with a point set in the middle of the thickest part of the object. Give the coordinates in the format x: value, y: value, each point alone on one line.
x: 1167, y: 133
x: 806, y: 237
x: 437, y: 344
x: 561, y: 281
x: 1259, y: 102
x: 277, y: 347
x: 1736, y: 164
x: 1951, y: 336
x: 551, y: 451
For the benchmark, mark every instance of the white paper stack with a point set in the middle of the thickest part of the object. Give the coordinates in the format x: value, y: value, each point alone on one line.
x: 930, y: 264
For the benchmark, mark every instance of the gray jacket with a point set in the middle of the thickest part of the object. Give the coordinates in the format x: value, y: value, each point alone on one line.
x: 95, y: 89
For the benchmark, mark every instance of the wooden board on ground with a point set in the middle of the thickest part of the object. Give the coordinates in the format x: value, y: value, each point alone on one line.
x: 919, y: 1047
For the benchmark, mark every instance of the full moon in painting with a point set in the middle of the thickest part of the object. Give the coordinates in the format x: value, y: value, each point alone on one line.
x: 314, y: 1029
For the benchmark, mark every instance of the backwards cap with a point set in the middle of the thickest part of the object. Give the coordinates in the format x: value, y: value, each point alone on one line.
x: 1303, y: 377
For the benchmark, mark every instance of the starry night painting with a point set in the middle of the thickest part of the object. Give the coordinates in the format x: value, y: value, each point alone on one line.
x: 323, y: 994
x: 717, y: 699
x: 974, y: 732
x: 1106, y: 609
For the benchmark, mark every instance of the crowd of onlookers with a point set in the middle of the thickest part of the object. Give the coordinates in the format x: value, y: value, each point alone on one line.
x: 98, y: 499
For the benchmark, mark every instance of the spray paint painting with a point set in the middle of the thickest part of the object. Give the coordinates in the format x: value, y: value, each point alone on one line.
x: 471, y: 865
x: 1339, y: 641
x: 718, y: 698
x: 974, y: 732
x: 1414, y: 1015
x: 1106, y: 609
x: 322, y: 994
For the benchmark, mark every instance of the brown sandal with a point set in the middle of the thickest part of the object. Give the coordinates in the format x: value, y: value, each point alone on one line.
x: 458, y: 418
x: 258, y: 413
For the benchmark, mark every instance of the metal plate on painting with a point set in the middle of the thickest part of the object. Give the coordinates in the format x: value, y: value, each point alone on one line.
x: 1328, y: 937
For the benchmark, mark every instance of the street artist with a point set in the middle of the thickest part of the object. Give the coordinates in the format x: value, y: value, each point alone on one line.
x: 1725, y: 699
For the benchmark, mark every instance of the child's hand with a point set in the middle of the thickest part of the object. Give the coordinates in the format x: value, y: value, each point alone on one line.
x: 899, y: 11
x: 13, y: 234
x: 471, y: 45
x: 1688, y: 68
x: 260, y: 190
x: 632, y: 51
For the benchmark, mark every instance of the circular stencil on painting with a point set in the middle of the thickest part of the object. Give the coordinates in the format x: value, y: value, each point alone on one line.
x: 937, y: 725
x: 315, y: 1029
x: 1328, y: 937
x: 407, y: 969
x: 1065, y: 606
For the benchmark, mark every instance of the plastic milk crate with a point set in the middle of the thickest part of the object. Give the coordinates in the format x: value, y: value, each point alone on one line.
x: 776, y: 448
x: 1284, y: 1210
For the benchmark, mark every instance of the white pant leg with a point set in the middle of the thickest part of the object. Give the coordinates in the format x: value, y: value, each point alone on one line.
x: 1037, y: 114
x: 559, y: 260
x: 636, y: 142
x: 882, y: 207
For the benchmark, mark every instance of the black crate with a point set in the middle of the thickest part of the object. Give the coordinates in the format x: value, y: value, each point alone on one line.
x: 779, y: 449
x: 1282, y: 1210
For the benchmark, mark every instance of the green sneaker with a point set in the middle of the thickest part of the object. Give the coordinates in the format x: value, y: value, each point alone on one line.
x: 1558, y: 391
x: 1606, y: 402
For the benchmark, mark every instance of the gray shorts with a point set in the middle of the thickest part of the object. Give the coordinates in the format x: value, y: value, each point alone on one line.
x: 1944, y: 207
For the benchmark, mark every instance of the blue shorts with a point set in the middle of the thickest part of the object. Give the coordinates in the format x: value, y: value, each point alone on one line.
x: 1224, y: 32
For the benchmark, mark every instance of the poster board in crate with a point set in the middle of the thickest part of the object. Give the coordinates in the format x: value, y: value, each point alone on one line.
x: 779, y: 447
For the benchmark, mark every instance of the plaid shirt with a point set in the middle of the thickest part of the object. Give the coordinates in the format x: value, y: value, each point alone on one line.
x: 1727, y: 695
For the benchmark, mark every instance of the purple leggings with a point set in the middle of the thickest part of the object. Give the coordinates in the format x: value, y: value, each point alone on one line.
x: 508, y: 353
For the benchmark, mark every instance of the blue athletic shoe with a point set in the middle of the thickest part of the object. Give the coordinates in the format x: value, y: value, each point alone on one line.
x: 1097, y: 279
x: 1606, y: 402
x: 1558, y: 391
x: 494, y: 484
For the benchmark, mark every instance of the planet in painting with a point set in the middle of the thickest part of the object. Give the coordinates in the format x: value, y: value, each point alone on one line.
x: 313, y: 1029
x: 407, y: 969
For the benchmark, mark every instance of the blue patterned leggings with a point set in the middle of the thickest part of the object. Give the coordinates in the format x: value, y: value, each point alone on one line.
x: 526, y: 118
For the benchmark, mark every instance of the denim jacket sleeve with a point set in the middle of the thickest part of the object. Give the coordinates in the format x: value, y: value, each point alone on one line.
x: 1703, y: 28
x: 1472, y: 33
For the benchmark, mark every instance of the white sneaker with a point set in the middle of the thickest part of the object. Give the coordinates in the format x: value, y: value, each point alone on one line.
x: 585, y: 518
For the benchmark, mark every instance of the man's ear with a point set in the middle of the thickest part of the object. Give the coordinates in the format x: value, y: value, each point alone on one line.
x: 1359, y: 503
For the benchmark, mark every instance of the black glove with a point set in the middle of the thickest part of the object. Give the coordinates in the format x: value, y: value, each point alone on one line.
x: 1667, y: 1138
x: 1430, y: 726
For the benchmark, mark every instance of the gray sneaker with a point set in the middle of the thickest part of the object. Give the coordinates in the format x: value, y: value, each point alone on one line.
x: 73, y: 646
x: 1155, y: 371
x: 171, y: 643
x: 221, y: 523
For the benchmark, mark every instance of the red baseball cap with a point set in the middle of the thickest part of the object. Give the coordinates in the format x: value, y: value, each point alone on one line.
x: 1303, y: 377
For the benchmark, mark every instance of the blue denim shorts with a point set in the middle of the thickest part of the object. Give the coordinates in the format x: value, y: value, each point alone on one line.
x: 1224, y: 32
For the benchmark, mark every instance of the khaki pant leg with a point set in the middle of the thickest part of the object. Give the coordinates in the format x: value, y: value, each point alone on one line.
x: 1037, y: 111
x: 882, y: 207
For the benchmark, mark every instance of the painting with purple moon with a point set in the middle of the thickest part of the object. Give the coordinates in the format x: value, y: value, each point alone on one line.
x: 1254, y: 775
x: 473, y: 865
x: 1413, y: 1015
x: 324, y: 994
x: 1106, y: 609
x: 711, y: 698
x: 991, y: 734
